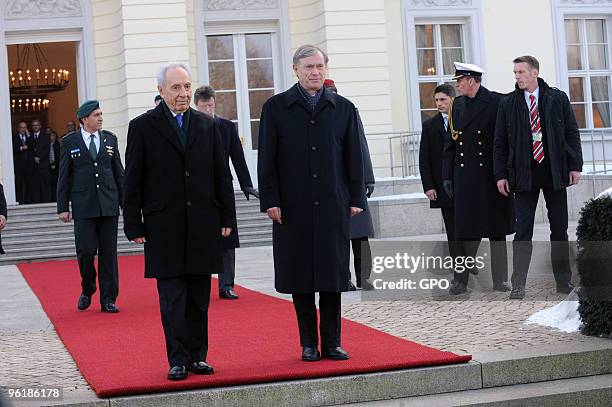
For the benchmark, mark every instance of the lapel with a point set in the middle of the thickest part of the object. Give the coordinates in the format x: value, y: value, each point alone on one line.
x: 102, y: 149
x: 481, y: 102
x: 327, y: 97
x: 163, y: 126
x: 293, y: 95
x: 190, y: 130
x: 84, y: 148
x: 439, y: 124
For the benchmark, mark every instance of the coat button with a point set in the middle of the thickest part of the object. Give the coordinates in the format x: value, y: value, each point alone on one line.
x: 97, y: 186
x: 96, y: 164
x: 462, y: 165
x: 480, y: 153
x: 315, y: 176
x: 480, y: 143
x: 481, y: 164
x: 316, y: 203
x: 186, y: 173
x: 479, y: 132
x: 461, y: 154
x: 188, y: 203
x: 97, y: 175
x: 460, y: 132
x: 313, y: 148
x: 461, y: 143
x: 312, y: 122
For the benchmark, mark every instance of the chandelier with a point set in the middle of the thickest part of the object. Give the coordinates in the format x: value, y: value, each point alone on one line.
x: 33, y: 78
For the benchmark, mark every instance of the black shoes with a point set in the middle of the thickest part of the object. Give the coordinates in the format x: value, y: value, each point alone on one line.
x: 351, y: 286
x: 177, y: 373
x: 228, y: 294
x: 336, y: 353
x: 517, y: 293
x: 201, y: 367
x: 565, y: 289
x: 457, y: 288
x: 310, y: 354
x: 503, y: 287
x: 84, y: 302
x: 366, y: 285
x: 110, y: 307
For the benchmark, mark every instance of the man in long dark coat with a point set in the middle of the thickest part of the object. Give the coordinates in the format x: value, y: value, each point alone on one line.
x: 179, y: 203
x: 23, y: 163
x: 310, y: 173
x: 467, y: 172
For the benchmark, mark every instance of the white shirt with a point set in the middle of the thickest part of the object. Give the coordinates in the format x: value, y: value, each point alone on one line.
x: 536, y: 94
x: 86, y: 139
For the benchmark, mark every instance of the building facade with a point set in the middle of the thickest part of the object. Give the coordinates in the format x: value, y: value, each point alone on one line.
x: 386, y: 56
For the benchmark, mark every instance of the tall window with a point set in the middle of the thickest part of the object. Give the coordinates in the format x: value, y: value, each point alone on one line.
x: 438, y: 46
x: 589, y: 71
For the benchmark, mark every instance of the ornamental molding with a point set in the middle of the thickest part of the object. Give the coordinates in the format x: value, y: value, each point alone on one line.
x: 440, y: 3
x: 227, y: 5
x: 29, y: 9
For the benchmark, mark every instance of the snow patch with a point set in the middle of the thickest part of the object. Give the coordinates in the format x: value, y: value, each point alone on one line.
x: 563, y: 316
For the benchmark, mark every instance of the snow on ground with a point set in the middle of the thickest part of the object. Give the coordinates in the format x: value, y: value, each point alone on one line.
x: 563, y: 316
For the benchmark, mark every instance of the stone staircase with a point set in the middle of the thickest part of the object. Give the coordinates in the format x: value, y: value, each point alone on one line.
x: 34, y: 233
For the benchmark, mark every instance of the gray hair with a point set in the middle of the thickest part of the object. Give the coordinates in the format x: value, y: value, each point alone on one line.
x: 306, y: 51
x: 161, y: 73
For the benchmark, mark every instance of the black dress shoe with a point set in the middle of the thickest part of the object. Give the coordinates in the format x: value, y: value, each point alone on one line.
x: 474, y: 271
x: 201, y: 367
x: 517, y: 293
x: 367, y: 285
x: 351, y: 286
x: 503, y: 287
x: 336, y: 353
x: 228, y: 294
x: 84, y: 302
x: 457, y: 288
x: 310, y: 354
x: 565, y: 289
x: 110, y: 307
x: 177, y: 373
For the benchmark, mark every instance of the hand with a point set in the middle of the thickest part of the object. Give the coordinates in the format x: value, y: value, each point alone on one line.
x: 24, y: 147
x: 431, y: 194
x: 355, y: 211
x: 447, y: 185
x: 64, y: 217
x: 503, y: 186
x: 37, y: 159
x: 275, y: 214
x: 250, y: 191
x: 369, y: 190
x: 2, y: 222
x: 225, y: 232
x: 574, y: 177
x: 139, y: 240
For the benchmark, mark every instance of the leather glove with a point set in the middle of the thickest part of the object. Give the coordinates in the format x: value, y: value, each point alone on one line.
x: 369, y: 190
x: 250, y: 191
x: 447, y: 185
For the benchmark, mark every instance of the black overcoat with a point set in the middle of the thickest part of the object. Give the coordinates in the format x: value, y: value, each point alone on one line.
x: 310, y: 165
x: 232, y: 148
x: 433, y: 137
x: 177, y: 197
x: 514, y: 144
x: 93, y: 187
x: 3, y: 211
x: 480, y: 210
x: 361, y: 224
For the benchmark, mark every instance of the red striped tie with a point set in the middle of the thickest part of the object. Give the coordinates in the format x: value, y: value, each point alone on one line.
x: 534, y: 117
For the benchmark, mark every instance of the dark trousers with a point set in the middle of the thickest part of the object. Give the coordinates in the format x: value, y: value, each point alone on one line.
x: 226, y: 279
x: 306, y: 312
x: 21, y: 188
x: 525, y: 204
x: 98, y: 236
x: 54, y: 173
x: 362, y: 259
x: 499, y: 258
x: 183, y: 303
x: 448, y: 214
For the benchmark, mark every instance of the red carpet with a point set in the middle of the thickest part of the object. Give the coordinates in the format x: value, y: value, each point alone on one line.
x: 252, y: 340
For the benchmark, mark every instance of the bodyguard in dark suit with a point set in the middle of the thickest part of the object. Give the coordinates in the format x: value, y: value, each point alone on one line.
x: 3, y: 214
x: 204, y: 98
x: 42, y: 144
x: 467, y: 173
x: 310, y: 174
x: 179, y: 202
x: 433, y: 136
x: 23, y: 163
x: 54, y: 158
x: 537, y: 147
x: 91, y: 179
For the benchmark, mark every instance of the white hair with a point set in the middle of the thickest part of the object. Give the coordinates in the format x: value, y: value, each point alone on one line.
x: 306, y: 51
x: 161, y: 73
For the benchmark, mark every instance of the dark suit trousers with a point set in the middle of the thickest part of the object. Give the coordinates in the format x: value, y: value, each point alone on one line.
x: 226, y: 279
x: 362, y: 258
x: 183, y: 302
x: 98, y: 235
x: 499, y: 258
x: 306, y: 312
x: 448, y: 214
x: 525, y: 204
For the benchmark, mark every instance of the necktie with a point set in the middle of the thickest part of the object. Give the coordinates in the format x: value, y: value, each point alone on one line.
x: 445, y: 123
x: 179, y: 120
x: 92, y: 147
x: 23, y: 139
x: 536, y: 131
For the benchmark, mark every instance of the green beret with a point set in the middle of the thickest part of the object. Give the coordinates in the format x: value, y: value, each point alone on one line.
x: 87, y: 107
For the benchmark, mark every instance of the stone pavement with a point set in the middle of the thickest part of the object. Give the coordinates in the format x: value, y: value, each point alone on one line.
x: 33, y: 355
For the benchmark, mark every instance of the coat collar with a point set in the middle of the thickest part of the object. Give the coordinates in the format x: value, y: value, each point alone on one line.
x: 292, y: 96
x: 165, y: 128
x: 462, y: 117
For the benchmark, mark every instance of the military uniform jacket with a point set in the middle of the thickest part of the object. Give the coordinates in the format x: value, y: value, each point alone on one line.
x: 480, y: 210
x: 310, y: 165
x: 94, y: 187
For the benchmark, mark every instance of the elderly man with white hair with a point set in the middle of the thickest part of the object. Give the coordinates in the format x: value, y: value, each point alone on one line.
x: 179, y: 203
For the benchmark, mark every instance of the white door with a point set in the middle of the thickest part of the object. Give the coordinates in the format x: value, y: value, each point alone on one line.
x: 243, y: 69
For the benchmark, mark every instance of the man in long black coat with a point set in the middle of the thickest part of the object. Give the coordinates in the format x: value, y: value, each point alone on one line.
x: 204, y: 99
x: 23, y: 163
x: 42, y: 145
x: 179, y: 203
x: 467, y: 173
x: 310, y: 173
x: 435, y: 132
x: 537, y: 147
